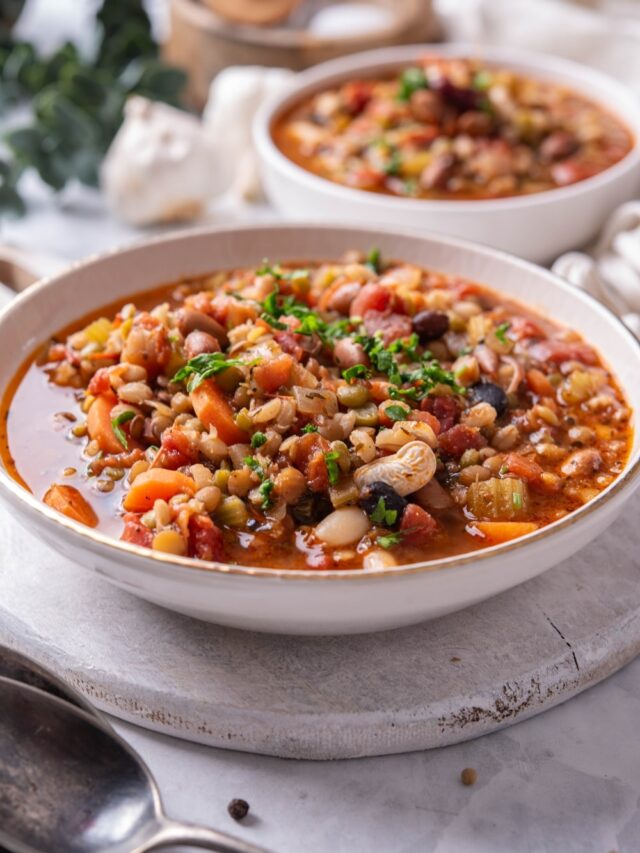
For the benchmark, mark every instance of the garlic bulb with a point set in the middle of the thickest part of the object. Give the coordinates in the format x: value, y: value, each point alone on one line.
x: 234, y: 98
x: 161, y: 166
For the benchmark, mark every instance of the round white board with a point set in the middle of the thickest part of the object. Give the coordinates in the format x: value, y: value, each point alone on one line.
x: 337, y: 697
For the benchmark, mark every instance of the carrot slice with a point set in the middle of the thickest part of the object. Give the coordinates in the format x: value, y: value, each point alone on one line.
x: 504, y: 531
x: 212, y: 409
x: 156, y: 484
x: 99, y: 423
x: 523, y: 467
x: 274, y: 373
x: 69, y: 501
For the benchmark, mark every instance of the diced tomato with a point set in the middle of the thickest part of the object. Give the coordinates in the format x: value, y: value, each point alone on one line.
x: 559, y: 351
x: 100, y: 382
x: 356, y: 94
x: 523, y: 327
x: 176, y: 449
x: 271, y: 375
x: 539, y: 383
x: 372, y: 297
x: 445, y: 409
x: 417, y: 525
x: 570, y: 172
x: 426, y: 418
x: 205, y: 539
x: 379, y: 390
x: 392, y: 326
x: 459, y: 438
x: 523, y: 467
x: 308, y: 456
x: 135, y: 531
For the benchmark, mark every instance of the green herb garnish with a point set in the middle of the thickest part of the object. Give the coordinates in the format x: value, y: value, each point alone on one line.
x: 307, y: 428
x: 382, y: 515
x: 116, y: 424
x: 396, y: 413
x: 358, y: 371
x: 256, y: 467
x: 202, y: 367
x: 390, y: 539
x: 516, y: 500
x: 411, y: 80
x: 482, y: 80
x: 373, y: 260
x: 258, y: 439
x: 274, y: 307
x: 331, y: 459
x: 501, y: 332
x: 264, y: 490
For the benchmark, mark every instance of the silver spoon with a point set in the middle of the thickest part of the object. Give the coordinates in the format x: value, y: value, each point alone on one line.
x: 21, y: 668
x: 68, y: 783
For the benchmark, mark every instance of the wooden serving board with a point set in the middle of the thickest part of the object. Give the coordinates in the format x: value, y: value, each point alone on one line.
x: 336, y: 697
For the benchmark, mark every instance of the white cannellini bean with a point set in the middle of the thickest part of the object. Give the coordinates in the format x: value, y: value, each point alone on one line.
x: 135, y: 392
x: 378, y: 559
x: 406, y: 471
x: 344, y: 526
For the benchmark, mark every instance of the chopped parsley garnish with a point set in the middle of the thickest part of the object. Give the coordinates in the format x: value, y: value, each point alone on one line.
x: 396, y: 413
x: 258, y: 439
x: 373, y: 260
x: 202, y: 367
x: 116, y: 425
x: 411, y: 80
x: 331, y: 459
x: 264, y: 490
x: 307, y: 428
x: 358, y: 371
x: 255, y: 466
x: 504, y: 470
x: 276, y: 306
x: 278, y: 273
x: 390, y: 539
x: 382, y: 515
x: 516, y: 500
x: 501, y: 332
x: 482, y: 80
x: 393, y: 163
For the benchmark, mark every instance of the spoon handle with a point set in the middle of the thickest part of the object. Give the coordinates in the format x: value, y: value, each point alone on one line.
x: 171, y: 832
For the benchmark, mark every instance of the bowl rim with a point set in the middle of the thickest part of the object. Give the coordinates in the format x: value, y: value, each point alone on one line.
x: 370, y: 60
x: 12, y: 490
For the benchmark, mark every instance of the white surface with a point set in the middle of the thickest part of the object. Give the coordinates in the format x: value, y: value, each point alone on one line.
x: 334, y: 601
x: 537, y: 227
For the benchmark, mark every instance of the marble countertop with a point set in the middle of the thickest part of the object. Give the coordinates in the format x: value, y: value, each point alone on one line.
x: 567, y: 781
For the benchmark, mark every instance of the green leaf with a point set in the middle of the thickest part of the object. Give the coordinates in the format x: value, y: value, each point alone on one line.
x: 116, y: 424
x: 411, y: 80
x: 382, y: 515
x: 396, y: 413
x: 373, y: 259
x: 307, y: 428
x: 501, y: 332
x: 202, y: 367
x: 258, y: 439
x: 390, y: 539
x: 264, y: 490
x: 331, y: 460
x: 357, y: 371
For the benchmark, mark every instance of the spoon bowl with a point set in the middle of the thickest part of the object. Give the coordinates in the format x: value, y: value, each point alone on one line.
x: 67, y: 782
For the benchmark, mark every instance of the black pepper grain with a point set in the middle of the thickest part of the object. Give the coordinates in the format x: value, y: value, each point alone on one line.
x: 238, y: 809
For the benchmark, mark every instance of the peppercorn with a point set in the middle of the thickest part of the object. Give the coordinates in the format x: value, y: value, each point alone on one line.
x: 238, y: 809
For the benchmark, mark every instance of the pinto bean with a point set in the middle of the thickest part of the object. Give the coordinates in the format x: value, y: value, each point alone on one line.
x: 348, y: 353
x: 581, y: 463
x: 199, y: 343
x: 438, y: 172
x: 474, y: 123
x: 190, y: 320
x: 558, y: 145
x: 342, y: 298
x: 426, y: 106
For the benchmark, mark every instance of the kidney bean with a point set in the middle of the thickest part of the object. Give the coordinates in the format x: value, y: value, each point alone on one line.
x: 199, y: 343
x: 190, y: 320
x: 429, y: 325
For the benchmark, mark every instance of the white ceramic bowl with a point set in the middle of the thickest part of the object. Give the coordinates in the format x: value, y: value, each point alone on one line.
x: 537, y: 227
x: 309, y: 602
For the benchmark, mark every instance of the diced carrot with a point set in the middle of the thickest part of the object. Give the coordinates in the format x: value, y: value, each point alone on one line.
x: 523, y: 467
x: 539, y: 384
x: 156, y: 484
x: 69, y: 501
x: 212, y: 408
x: 504, y: 531
x: 99, y: 423
x: 274, y: 373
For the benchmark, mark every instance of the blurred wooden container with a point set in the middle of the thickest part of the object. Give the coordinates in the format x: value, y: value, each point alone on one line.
x: 203, y: 43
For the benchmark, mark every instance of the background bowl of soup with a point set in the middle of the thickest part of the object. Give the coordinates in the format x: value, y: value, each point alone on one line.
x: 298, y: 600
x: 534, y: 223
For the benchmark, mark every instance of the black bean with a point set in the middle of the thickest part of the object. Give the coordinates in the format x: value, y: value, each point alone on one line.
x: 238, y: 809
x: 489, y: 392
x: 311, y: 508
x: 393, y: 502
x: 429, y: 325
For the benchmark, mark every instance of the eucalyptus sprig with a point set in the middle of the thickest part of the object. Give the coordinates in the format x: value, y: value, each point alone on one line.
x: 77, y: 103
